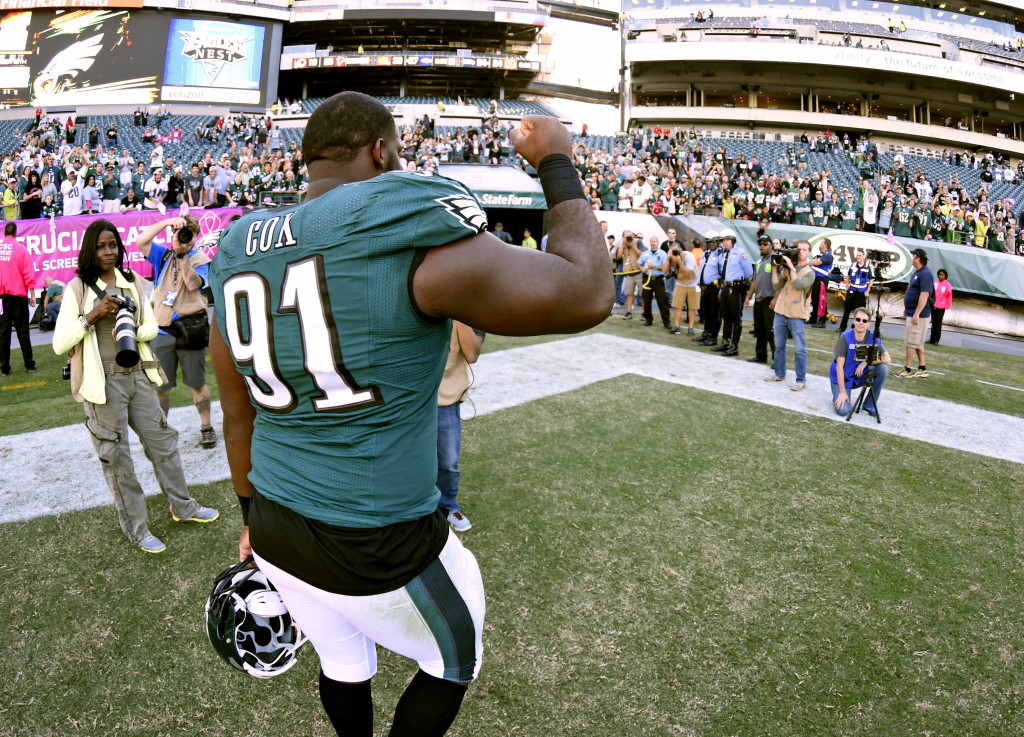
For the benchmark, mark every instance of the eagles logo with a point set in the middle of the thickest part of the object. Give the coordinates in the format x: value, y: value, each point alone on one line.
x: 466, y: 210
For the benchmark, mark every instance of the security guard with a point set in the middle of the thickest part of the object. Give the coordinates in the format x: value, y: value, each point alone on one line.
x: 762, y: 291
x: 822, y: 268
x: 709, y: 308
x: 857, y: 290
x: 733, y: 271
x: 653, y: 265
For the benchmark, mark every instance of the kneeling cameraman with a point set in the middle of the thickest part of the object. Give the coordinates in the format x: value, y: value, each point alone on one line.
x: 851, y: 361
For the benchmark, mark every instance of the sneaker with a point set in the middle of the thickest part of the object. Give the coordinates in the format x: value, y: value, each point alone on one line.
x: 689, y: 331
x: 151, y: 544
x: 628, y: 316
x: 920, y: 374
x: 459, y: 521
x: 208, y: 436
x: 203, y: 514
x: 31, y: 370
x: 905, y: 373
x: 675, y: 331
x: 798, y: 386
x: 774, y: 377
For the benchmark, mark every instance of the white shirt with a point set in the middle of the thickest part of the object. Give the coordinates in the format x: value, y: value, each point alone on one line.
x: 153, y: 190
x: 71, y: 191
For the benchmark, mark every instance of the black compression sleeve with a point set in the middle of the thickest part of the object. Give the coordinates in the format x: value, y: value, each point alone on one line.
x: 559, y: 179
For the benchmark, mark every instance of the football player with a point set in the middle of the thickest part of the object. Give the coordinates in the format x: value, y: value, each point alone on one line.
x: 332, y: 327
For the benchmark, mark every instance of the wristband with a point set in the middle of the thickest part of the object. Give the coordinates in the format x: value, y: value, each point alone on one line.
x: 559, y: 179
x: 243, y: 502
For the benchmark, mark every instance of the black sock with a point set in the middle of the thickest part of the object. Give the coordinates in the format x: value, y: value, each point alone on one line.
x: 428, y: 707
x: 921, y: 368
x: 349, y: 706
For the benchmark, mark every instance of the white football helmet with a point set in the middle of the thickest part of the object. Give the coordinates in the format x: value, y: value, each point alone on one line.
x: 248, y: 623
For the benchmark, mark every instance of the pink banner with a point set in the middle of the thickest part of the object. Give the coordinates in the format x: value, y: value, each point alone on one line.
x: 53, y: 244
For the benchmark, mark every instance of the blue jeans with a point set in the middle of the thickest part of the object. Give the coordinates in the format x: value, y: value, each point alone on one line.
x: 881, y: 374
x: 784, y: 327
x: 449, y: 446
x: 620, y: 298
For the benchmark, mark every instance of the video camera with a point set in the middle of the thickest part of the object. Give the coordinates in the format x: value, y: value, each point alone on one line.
x: 880, y: 262
x: 779, y: 253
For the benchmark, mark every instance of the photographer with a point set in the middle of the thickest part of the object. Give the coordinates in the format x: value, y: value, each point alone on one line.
x: 858, y: 287
x: 179, y: 275
x: 629, y: 253
x: 683, y: 267
x: 115, y: 397
x: 852, y: 354
x: 792, y: 284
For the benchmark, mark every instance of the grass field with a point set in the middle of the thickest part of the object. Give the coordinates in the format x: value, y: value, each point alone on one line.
x: 34, y: 401
x: 704, y: 566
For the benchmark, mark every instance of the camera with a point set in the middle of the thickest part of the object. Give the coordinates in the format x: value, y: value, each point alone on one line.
x: 780, y: 253
x: 184, y: 236
x: 124, y: 332
x: 65, y: 371
x: 676, y: 252
x: 880, y: 257
x: 862, y: 352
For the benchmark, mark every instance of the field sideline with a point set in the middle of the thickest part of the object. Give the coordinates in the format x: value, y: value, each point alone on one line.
x: 660, y: 560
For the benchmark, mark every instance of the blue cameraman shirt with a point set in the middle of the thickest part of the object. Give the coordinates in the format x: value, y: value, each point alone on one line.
x: 156, y: 254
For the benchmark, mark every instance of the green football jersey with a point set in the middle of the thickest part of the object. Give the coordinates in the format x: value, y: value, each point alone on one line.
x: 314, y: 304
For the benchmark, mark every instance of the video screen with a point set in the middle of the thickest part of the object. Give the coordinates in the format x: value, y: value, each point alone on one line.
x: 210, y: 61
x: 116, y: 57
x: 79, y: 58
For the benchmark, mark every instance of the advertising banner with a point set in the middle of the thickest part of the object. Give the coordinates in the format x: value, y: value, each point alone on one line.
x: 972, y: 270
x: 53, y: 245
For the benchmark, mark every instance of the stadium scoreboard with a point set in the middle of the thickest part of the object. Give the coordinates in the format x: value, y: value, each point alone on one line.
x: 123, y: 56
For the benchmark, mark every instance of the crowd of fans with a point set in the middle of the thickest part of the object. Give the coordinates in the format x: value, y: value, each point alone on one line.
x: 50, y: 173
x: 661, y: 171
x: 669, y: 172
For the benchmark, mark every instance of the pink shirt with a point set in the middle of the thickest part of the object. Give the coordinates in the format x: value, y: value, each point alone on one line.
x: 943, y: 295
x: 17, y: 274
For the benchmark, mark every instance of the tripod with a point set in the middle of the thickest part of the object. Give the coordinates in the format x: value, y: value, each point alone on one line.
x: 869, y: 372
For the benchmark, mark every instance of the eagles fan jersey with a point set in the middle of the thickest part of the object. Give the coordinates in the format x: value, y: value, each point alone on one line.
x: 314, y: 305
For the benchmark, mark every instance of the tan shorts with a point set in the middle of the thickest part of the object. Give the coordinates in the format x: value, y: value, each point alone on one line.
x: 631, y: 283
x: 916, y: 333
x: 685, y: 296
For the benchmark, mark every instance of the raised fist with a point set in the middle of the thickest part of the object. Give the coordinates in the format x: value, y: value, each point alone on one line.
x: 538, y: 136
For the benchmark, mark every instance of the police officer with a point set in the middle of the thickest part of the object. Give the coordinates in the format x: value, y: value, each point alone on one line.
x: 822, y: 268
x: 709, y: 308
x: 762, y: 290
x: 857, y: 289
x: 733, y: 272
x: 653, y: 265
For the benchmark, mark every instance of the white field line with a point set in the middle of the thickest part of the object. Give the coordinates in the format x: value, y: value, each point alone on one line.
x: 1001, y: 386
x: 56, y: 470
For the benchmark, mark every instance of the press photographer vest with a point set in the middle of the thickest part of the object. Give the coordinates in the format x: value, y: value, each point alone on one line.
x: 186, y: 302
x: 850, y: 367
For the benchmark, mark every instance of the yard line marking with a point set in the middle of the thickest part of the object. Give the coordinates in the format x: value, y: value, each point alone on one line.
x: 819, y: 350
x: 23, y: 385
x: 1001, y: 386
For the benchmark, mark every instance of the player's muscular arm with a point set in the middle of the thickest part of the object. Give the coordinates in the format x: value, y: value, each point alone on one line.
x: 239, y: 415
x: 514, y: 291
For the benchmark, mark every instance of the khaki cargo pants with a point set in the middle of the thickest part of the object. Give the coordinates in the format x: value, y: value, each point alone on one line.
x: 132, y: 402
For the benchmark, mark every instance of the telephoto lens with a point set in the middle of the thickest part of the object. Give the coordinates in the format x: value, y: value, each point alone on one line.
x: 124, y: 333
x: 184, y: 235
